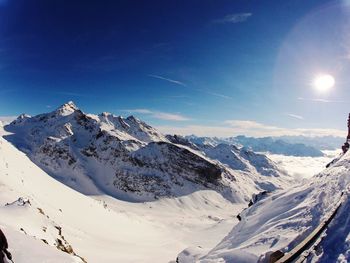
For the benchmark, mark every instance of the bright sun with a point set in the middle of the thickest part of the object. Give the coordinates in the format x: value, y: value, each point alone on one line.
x: 323, y: 82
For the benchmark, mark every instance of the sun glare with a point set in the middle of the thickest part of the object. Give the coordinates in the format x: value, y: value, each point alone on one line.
x: 324, y: 82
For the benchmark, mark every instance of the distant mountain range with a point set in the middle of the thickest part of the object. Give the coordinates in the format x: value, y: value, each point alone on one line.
x: 128, y: 159
x: 318, y: 142
x: 176, y: 187
x: 286, y: 145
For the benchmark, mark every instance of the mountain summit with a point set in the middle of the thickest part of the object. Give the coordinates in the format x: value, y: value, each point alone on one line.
x: 67, y: 108
x: 129, y: 159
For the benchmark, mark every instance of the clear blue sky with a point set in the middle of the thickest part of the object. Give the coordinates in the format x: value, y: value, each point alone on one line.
x: 196, y: 66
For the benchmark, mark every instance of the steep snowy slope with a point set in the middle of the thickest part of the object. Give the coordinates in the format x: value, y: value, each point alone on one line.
x: 38, y: 214
x: 280, y: 220
x: 56, y: 210
x: 128, y: 159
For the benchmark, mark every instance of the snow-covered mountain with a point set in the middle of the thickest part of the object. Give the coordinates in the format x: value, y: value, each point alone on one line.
x: 130, y: 160
x: 280, y: 221
x: 266, y: 144
x: 197, y: 189
x: 45, y: 221
x: 318, y: 142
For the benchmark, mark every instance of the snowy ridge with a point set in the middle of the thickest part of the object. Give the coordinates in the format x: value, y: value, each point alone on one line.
x: 49, y: 210
x: 281, y: 220
x: 128, y: 159
x: 104, y: 230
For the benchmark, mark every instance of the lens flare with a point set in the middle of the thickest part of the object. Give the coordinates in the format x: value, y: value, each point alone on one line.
x: 324, y: 82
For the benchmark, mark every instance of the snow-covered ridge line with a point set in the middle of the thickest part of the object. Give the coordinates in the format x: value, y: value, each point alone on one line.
x: 284, y: 219
x: 130, y: 160
x: 273, y: 145
x: 297, y: 253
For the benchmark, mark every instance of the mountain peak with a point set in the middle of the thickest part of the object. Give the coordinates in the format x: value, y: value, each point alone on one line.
x: 23, y: 116
x: 67, y: 108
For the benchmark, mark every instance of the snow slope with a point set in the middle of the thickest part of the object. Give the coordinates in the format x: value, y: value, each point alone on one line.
x: 281, y: 220
x: 104, y: 229
x: 92, y: 230
x: 142, y: 197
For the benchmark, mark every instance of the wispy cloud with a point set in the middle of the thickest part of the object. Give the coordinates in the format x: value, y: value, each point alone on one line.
x: 141, y: 111
x: 248, y: 128
x: 295, y: 116
x: 185, y: 85
x: 167, y: 79
x: 159, y: 115
x: 217, y: 94
x: 233, y: 18
x: 169, y: 116
x: 322, y: 100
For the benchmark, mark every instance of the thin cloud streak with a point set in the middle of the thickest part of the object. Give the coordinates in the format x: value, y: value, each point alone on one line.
x: 167, y: 79
x: 248, y: 128
x: 295, y: 116
x: 218, y: 95
x: 233, y: 18
x: 185, y: 85
x: 322, y: 100
x: 159, y: 115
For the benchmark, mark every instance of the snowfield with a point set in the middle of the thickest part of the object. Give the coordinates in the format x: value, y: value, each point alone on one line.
x: 281, y: 220
x: 78, y: 187
x: 101, y: 231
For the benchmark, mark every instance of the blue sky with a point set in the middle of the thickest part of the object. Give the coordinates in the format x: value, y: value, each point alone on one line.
x: 205, y: 67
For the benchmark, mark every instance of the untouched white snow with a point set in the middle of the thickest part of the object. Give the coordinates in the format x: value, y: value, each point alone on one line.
x: 110, y: 231
x: 38, y: 213
x: 283, y: 219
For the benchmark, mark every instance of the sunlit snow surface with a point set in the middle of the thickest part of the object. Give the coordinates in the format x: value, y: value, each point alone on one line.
x: 119, y: 232
x: 283, y: 219
x: 103, y: 229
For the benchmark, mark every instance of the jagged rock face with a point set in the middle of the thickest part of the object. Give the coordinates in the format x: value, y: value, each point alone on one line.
x: 177, y: 161
x: 177, y: 139
x: 126, y: 157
